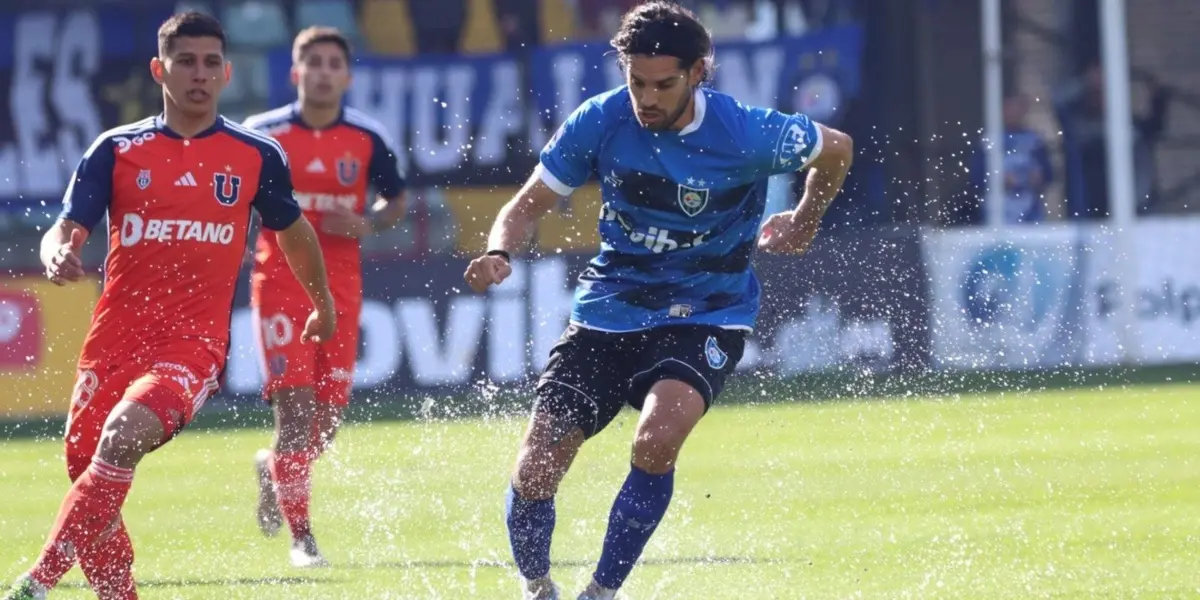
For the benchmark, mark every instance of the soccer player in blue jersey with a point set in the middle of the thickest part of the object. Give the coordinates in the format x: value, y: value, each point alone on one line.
x: 661, y: 314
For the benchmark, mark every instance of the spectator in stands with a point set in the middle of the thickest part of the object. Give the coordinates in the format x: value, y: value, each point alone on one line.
x: 1080, y: 107
x: 1027, y: 168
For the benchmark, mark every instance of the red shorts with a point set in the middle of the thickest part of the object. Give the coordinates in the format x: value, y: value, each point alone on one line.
x: 286, y: 362
x: 173, y: 382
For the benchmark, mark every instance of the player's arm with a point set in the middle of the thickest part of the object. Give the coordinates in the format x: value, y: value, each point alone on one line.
x: 278, y: 211
x: 785, y: 143
x: 565, y: 164
x: 85, y: 202
x: 517, y: 222
x: 300, y: 246
x: 826, y: 173
x: 391, y: 203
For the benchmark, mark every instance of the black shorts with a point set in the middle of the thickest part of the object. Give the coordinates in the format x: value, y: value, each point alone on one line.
x: 592, y: 374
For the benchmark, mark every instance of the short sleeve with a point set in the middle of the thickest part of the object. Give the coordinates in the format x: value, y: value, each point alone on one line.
x: 781, y: 142
x: 274, y: 201
x: 89, y: 193
x: 569, y: 158
x: 384, y: 170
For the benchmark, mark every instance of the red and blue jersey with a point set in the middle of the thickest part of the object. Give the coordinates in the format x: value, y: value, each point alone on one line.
x: 333, y: 168
x: 178, y: 215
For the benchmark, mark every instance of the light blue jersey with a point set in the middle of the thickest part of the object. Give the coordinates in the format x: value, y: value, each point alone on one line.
x: 681, y: 209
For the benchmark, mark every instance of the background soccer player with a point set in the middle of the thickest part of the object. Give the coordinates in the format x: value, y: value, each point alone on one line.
x: 662, y: 312
x: 178, y: 191
x: 336, y: 154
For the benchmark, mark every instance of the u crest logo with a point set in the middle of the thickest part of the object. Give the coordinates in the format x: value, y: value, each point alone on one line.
x: 347, y: 170
x: 226, y: 188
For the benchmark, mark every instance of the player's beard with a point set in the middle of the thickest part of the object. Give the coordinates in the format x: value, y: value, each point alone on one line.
x: 674, y: 116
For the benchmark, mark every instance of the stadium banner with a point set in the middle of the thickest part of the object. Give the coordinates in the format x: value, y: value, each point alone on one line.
x: 855, y: 300
x: 66, y: 76
x: 481, y: 120
x: 42, y: 327
x: 1167, y: 295
x: 1047, y: 296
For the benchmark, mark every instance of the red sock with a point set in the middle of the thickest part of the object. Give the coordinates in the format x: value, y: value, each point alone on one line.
x: 108, y: 566
x: 291, y: 472
x: 315, y: 445
x: 89, y: 509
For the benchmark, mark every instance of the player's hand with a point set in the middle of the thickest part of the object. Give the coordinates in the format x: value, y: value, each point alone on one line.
x: 66, y: 265
x: 485, y: 271
x: 320, y: 327
x: 345, y: 223
x: 783, y: 233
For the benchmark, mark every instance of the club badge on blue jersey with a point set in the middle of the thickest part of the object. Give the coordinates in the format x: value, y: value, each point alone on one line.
x: 795, y: 138
x: 692, y: 200
x: 713, y: 353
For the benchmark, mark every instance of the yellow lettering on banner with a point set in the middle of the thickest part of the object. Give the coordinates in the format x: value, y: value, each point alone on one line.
x: 570, y: 227
x: 474, y: 211
x: 37, y: 381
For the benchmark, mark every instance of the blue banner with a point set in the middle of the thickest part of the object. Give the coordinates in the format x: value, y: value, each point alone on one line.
x: 481, y: 120
x: 65, y: 77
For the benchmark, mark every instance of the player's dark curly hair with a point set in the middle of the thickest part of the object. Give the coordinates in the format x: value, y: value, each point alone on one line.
x: 664, y: 28
x: 188, y: 24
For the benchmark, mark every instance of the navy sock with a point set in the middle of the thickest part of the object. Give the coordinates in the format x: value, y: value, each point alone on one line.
x: 635, y: 514
x: 530, y: 525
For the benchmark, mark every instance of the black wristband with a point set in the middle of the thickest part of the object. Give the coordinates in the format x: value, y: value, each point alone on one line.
x: 501, y: 253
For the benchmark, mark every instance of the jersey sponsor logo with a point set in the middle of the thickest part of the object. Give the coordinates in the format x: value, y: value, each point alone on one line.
x: 692, y: 200
x: 185, y: 377
x: 713, y: 353
x: 135, y: 229
x: 325, y: 202
x: 86, y: 384
x: 226, y: 188
x: 126, y: 143
x: 656, y: 239
x: 793, y: 141
x: 347, y: 170
x: 143, y: 179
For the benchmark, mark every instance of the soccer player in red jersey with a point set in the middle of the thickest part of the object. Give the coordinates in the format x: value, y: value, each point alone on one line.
x: 337, y: 154
x: 178, y: 190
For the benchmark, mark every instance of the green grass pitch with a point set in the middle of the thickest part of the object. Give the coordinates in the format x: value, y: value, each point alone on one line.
x: 1091, y: 493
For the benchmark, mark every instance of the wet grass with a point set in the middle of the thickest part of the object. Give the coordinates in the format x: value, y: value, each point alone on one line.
x: 1081, y: 493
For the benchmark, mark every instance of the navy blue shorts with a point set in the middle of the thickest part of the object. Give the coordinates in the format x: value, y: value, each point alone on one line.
x: 591, y: 375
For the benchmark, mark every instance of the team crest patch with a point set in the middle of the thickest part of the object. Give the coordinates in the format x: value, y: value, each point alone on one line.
x: 347, y: 170
x: 143, y: 179
x: 794, y: 140
x: 692, y: 200
x: 226, y: 188
x: 713, y: 353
